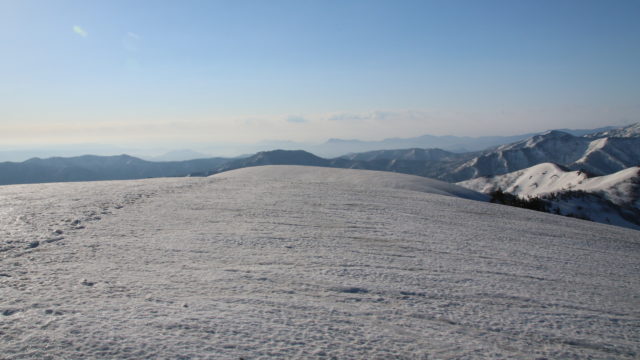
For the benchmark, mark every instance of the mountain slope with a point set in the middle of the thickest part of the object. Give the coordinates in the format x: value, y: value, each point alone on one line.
x: 629, y: 131
x: 613, y: 199
x: 539, y: 179
x: 274, y: 157
x: 599, y: 156
x: 622, y: 188
x: 380, y: 161
x: 609, y: 155
x: 243, y: 265
x: 414, y: 154
x: 178, y: 155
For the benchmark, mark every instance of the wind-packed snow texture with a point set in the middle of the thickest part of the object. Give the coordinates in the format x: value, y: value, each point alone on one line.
x: 282, y: 262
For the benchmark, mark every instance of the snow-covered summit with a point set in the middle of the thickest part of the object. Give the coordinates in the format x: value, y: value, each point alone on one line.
x: 364, y: 178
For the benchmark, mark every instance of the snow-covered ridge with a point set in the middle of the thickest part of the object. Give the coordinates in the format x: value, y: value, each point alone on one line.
x: 543, y: 180
x: 597, y: 156
x: 533, y: 181
x: 550, y: 178
x: 629, y: 131
x: 364, y: 178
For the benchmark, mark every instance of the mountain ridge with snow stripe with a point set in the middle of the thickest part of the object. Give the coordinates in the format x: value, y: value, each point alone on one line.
x: 613, y: 199
x: 549, y: 178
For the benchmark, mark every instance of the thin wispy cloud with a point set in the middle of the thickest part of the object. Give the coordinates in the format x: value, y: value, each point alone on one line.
x: 80, y: 31
x: 375, y: 115
x: 131, y: 41
x: 297, y: 119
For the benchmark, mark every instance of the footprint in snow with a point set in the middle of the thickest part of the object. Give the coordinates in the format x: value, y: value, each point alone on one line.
x: 54, y: 239
x: 53, y: 312
x: 351, y: 290
x: 9, y: 312
x: 86, y: 282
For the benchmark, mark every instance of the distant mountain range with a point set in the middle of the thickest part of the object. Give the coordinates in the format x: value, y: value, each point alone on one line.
x: 401, y: 161
x: 558, y: 167
x: 330, y: 149
x: 178, y: 155
x: 413, y: 154
x: 600, y: 153
x: 90, y: 167
x: 457, y: 144
x: 555, y: 166
x: 597, y: 155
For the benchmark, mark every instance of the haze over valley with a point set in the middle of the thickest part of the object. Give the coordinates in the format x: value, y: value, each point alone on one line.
x: 596, y: 153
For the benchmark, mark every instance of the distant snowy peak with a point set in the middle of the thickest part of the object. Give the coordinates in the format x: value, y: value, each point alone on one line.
x: 609, y: 155
x: 595, y: 155
x: 549, y: 138
x: 553, y: 146
x: 621, y: 188
x: 630, y: 131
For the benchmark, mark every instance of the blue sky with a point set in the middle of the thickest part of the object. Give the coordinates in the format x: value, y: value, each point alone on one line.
x: 180, y: 72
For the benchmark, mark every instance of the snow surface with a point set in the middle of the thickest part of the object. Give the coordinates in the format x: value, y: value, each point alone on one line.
x: 311, y: 263
x: 367, y: 178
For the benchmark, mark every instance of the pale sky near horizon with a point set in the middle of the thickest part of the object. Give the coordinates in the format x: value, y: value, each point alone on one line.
x: 153, y: 72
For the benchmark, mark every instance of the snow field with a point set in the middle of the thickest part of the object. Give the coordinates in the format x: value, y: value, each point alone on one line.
x: 289, y: 262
